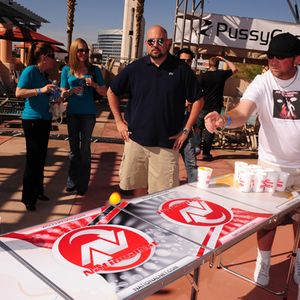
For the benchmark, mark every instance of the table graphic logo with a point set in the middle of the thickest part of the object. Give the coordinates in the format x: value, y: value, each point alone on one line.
x: 104, y: 248
x: 194, y: 212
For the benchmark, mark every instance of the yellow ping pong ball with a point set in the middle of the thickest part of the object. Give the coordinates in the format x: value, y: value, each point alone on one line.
x: 115, y: 198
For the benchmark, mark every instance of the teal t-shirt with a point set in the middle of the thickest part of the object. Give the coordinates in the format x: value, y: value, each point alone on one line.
x: 36, y: 107
x: 85, y: 103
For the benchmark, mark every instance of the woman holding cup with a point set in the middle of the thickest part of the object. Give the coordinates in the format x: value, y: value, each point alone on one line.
x: 35, y: 88
x: 79, y: 80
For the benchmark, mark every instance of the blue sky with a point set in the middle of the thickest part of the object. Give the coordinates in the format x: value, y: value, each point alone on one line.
x: 94, y: 15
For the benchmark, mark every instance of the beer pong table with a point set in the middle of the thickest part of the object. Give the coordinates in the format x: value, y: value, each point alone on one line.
x: 134, y: 249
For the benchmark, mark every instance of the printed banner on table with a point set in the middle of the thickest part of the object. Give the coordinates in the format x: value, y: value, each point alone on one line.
x: 207, y: 219
x: 105, y: 252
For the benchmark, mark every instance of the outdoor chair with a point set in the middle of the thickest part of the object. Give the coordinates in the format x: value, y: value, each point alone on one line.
x: 244, y: 137
x: 10, y: 108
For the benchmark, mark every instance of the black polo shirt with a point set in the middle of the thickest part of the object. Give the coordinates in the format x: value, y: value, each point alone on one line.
x: 157, y: 95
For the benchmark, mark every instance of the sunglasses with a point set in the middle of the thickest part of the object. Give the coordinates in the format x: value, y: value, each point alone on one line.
x: 279, y: 57
x: 151, y: 42
x: 188, y: 61
x: 83, y: 50
x: 51, y: 55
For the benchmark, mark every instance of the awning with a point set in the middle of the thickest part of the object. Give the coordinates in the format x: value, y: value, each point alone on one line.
x: 14, y: 13
x: 54, y: 47
x: 26, y: 35
x: 58, y: 49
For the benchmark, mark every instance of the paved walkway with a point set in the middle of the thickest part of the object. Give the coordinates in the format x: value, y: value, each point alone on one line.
x: 106, y: 157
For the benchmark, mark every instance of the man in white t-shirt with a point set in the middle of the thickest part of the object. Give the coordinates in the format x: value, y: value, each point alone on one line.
x: 275, y: 97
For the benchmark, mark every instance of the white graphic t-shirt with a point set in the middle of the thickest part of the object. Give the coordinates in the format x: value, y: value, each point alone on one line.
x: 278, y: 107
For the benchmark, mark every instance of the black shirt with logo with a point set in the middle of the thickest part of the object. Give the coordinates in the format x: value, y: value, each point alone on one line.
x: 157, y: 96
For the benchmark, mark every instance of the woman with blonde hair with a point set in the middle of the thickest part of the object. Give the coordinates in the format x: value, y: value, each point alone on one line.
x: 34, y: 86
x: 79, y: 80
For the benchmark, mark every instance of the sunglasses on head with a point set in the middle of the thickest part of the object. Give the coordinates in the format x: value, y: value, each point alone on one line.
x: 83, y: 50
x: 160, y: 42
x: 51, y: 55
x: 279, y: 57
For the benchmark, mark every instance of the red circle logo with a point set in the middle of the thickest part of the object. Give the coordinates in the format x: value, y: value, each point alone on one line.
x: 104, y: 248
x: 194, y: 212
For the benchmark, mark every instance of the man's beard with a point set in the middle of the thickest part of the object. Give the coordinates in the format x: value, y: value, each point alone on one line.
x: 156, y: 55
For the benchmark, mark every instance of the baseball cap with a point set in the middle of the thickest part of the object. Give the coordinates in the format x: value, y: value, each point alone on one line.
x: 284, y: 45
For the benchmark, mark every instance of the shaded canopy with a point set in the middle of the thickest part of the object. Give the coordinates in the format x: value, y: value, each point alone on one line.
x: 58, y: 49
x: 25, y: 35
x: 54, y: 47
x: 14, y: 13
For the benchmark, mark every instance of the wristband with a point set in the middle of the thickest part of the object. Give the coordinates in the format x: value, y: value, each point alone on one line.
x: 229, y: 121
x: 39, y: 93
x: 67, y: 94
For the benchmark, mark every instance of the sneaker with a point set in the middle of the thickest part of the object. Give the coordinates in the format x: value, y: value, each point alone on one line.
x: 261, y: 273
x: 297, y: 272
x: 80, y: 193
x: 70, y: 189
x: 197, y: 150
x: 207, y: 157
x: 43, y: 197
x: 30, y: 207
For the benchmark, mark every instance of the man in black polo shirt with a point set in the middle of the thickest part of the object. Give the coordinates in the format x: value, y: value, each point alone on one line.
x: 158, y: 85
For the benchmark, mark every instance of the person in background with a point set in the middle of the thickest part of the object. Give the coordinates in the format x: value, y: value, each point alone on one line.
x: 188, y: 150
x: 158, y: 86
x: 78, y: 81
x: 33, y: 85
x: 264, y: 69
x: 213, y: 82
x: 279, y: 144
x: 65, y: 62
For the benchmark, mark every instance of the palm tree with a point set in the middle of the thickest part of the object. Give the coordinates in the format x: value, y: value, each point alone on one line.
x: 139, y: 18
x: 70, y: 21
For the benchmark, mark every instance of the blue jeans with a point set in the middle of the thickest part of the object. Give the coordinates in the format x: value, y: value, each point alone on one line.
x: 80, y: 129
x: 189, y: 157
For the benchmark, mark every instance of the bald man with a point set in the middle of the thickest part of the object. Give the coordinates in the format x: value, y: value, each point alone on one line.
x: 154, y: 127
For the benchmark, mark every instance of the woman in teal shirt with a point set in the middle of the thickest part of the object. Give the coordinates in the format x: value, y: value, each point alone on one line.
x: 79, y: 80
x: 36, y: 120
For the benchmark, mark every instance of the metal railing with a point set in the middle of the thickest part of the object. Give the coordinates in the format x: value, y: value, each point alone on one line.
x: 10, y: 108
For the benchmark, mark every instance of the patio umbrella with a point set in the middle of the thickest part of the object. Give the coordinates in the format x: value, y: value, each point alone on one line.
x: 26, y: 35
x: 54, y: 47
x: 58, y: 49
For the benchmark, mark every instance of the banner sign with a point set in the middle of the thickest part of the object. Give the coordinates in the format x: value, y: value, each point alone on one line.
x: 231, y: 31
x: 100, y: 254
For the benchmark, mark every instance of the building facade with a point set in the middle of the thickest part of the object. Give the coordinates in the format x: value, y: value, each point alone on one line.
x: 123, y: 45
x: 133, y: 31
x: 109, y: 44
